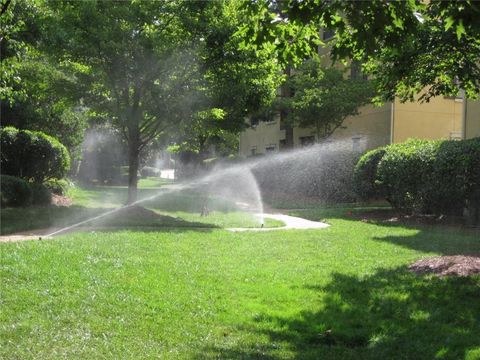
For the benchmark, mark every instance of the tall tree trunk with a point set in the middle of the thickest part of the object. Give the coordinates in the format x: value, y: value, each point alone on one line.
x: 133, y: 162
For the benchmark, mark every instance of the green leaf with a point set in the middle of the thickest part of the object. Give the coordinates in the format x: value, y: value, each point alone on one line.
x: 449, y: 21
x: 460, y: 29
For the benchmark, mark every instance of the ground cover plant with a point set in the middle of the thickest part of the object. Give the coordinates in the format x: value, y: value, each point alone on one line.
x: 344, y: 292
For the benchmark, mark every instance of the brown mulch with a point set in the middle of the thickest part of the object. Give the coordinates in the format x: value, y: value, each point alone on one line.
x: 456, y: 265
x: 60, y: 200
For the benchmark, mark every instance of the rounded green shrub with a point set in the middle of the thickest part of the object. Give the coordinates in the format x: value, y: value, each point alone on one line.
x: 365, y: 175
x: 405, y: 172
x: 32, y: 155
x: 14, y: 191
x: 457, y: 176
x: 41, y: 195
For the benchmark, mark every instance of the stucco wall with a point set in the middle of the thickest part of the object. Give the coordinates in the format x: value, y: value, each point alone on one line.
x: 260, y: 137
x: 472, y: 122
x: 371, y: 128
x: 441, y: 118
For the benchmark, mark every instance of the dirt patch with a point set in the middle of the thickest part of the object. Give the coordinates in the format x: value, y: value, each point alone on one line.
x: 60, y: 200
x: 456, y: 265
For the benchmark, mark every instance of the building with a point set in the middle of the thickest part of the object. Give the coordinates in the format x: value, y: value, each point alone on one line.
x: 441, y: 118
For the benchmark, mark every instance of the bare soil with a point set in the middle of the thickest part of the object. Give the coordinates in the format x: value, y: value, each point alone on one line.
x: 456, y: 265
x: 60, y: 200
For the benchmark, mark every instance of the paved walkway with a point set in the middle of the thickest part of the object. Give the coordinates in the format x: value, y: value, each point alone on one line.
x: 291, y: 222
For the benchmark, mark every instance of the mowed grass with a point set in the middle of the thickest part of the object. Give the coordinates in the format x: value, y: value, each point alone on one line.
x: 174, y: 209
x: 338, y: 293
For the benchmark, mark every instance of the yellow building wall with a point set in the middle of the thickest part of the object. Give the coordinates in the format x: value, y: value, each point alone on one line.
x: 368, y: 130
x: 440, y: 118
x: 258, y: 138
x: 472, y: 119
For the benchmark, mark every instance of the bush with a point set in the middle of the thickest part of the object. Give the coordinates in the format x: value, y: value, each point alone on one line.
x: 32, y: 155
x: 14, y: 191
x: 406, y: 174
x: 41, y: 195
x: 57, y: 186
x: 439, y: 177
x: 365, y: 175
x: 457, y: 174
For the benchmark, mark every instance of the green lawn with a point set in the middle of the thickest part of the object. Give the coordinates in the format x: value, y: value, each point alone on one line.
x: 197, y: 294
x: 171, y: 209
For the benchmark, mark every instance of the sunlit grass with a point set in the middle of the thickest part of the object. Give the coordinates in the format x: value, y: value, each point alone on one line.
x: 214, y: 294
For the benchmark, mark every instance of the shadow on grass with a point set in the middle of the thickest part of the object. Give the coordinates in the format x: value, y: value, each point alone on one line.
x: 438, y: 240
x: 15, y: 220
x: 392, y: 314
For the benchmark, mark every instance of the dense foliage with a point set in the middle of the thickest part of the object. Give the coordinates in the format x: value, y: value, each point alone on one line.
x: 419, y: 176
x: 14, y: 191
x: 149, y: 68
x: 323, y: 97
x: 365, y: 175
x: 407, y: 45
x: 32, y: 155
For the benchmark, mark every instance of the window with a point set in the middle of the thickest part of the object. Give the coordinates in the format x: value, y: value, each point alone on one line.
x: 328, y: 34
x: 307, y: 141
x: 357, y: 145
x: 270, y: 148
x: 356, y: 71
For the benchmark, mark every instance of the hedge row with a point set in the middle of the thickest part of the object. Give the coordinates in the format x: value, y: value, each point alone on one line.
x: 419, y: 176
x: 18, y: 192
x: 32, y: 155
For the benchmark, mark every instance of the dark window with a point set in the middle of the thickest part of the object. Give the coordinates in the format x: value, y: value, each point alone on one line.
x: 328, y: 34
x: 270, y: 148
x: 356, y: 71
x: 307, y: 140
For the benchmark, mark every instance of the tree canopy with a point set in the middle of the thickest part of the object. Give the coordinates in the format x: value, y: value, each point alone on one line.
x: 149, y: 67
x: 324, y: 97
x: 408, y: 46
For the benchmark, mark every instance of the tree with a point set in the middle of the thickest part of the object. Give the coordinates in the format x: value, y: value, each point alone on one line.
x: 232, y: 82
x: 146, y: 70
x: 37, y: 93
x: 323, y: 98
x: 134, y: 56
x: 407, y: 46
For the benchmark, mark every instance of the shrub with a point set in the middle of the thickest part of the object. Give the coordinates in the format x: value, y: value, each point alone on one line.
x: 14, y: 191
x: 405, y: 172
x: 439, y: 177
x: 32, y: 155
x: 57, y: 186
x: 41, y: 195
x: 457, y: 174
x: 365, y: 175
